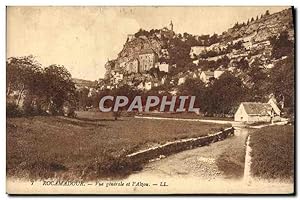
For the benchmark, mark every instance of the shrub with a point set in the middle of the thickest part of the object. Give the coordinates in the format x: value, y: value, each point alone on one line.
x: 12, y: 110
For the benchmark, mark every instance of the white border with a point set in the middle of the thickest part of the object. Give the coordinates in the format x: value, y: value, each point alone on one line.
x: 3, y: 4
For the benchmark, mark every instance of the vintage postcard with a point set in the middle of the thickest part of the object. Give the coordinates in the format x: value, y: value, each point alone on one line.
x: 150, y: 100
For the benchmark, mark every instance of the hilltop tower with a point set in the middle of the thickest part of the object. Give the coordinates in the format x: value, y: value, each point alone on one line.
x: 171, y: 26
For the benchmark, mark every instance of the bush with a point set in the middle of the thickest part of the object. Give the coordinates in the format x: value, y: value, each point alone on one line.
x: 12, y: 110
x: 32, y: 107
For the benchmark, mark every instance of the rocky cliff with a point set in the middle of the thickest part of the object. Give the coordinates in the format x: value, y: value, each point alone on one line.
x: 264, y: 27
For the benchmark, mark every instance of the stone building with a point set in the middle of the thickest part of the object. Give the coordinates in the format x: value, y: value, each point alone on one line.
x: 147, y: 60
x: 257, y: 112
x: 132, y: 66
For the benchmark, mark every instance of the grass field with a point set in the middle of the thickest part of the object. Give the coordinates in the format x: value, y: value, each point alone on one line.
x: 273, y: 152
x: 93, y: 147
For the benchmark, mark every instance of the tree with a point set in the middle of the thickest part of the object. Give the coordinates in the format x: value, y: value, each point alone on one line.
x: 243, y: 64
x: 127, y: 91
x: 193, y: 87
x: 142, y: 32
x: 260, y: 84
x: 282, y: 82
x: 39, y: 88
x: 23, y: 74
x: 236, y: 25
x: 82, y: 98
x: 179, y: 54
x: 282, y: 46
x: 224, y: 61
x: 224, y: 94
x: 58, y: 87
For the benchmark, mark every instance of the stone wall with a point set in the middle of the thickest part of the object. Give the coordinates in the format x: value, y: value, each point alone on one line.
x: 180, y: 145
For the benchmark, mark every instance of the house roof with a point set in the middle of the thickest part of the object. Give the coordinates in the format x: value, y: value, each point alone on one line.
x: 256, y: 108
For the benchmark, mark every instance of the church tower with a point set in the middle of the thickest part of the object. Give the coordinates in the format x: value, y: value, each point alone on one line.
x: 171, y: 26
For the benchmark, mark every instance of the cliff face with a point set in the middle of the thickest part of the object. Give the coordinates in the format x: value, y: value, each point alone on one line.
x: 265, y: 27
x: 254, y: 37
x: 134, y: 46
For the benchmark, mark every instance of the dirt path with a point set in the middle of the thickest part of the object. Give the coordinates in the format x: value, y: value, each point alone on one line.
x: 199, y: 162
x: 196, y: 171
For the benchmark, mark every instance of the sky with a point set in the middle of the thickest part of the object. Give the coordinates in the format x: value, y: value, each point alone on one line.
x: 84, y: 38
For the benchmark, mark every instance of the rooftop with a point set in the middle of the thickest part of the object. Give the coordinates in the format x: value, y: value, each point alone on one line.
x: 256, y: 108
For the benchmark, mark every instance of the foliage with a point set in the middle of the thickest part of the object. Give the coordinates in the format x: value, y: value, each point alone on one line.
x: 40, y: 88
x: 242, y: 64
x: 142, y: 32
x: 83, y: 100
x: 213, y: 65
x: 23, y: 74
x: 259, y: 79
x: 238, y: 45
x: 224, y: 94
x: 179, y: 54
x: 282, y: 46
x: 12, y: 110
x: 193, y: 87
x: 282, y: 82
x: 59, y: 86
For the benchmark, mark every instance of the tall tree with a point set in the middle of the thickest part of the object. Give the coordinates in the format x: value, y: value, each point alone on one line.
x: 23, y: 74
x: 58, y: 87
x: 283, y: 82
x: 282, y: 46
x: 193, y: 87
x: 224, y: 94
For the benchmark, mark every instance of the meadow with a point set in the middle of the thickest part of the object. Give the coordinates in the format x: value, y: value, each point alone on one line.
x: 90, y: 146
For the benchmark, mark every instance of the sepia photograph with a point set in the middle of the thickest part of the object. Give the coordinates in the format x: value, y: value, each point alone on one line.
x: 150, y: 100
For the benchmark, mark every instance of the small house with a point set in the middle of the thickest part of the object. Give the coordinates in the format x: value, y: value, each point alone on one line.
x: 256, y: 112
